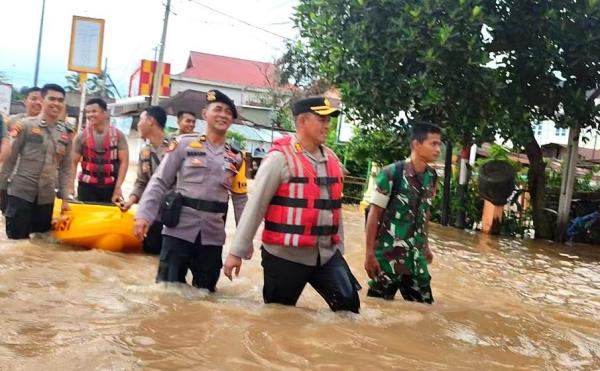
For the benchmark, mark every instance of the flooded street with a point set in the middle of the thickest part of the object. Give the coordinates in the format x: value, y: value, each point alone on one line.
x: 500, y: 304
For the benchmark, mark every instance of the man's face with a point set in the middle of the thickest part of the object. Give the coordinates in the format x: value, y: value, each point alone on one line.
x: 33, y: 103
x: 144, y: 125
x: 53, y: 104
x: 187, y: 123
x: 429, y: 150
x: 315, y: 127
x: 95, y: 115
x: 218, y: 116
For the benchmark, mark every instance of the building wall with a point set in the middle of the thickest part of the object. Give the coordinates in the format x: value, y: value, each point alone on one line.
x: 546, y: 132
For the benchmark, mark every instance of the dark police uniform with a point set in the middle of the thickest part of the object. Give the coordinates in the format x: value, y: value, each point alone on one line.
x: 40, y: 150
x: 149, y: 159
x: 202, y: 173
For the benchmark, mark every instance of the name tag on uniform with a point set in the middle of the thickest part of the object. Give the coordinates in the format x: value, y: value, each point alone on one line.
x: 196, y: 153
x: 35, y: 138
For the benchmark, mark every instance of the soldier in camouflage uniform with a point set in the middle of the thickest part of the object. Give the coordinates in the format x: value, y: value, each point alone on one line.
x: 151, y: 128
x: 397, y: 250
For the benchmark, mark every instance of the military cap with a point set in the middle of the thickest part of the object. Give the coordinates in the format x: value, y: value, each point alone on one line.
x: 215, y: 95
x: 317, y: 105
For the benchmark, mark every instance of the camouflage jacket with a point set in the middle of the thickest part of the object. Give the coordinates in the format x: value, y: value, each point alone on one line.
x: 407, y: 196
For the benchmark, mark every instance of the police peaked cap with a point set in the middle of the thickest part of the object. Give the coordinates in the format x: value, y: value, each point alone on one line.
x: 215, y: 95
x: 317, y: 105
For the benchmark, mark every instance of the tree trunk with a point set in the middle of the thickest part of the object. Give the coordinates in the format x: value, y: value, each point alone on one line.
x: 537, y: 189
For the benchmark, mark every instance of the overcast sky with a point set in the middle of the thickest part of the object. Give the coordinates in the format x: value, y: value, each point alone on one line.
x: 133, y: 28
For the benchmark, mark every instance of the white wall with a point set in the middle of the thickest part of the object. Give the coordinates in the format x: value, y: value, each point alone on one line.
x: 546, y: 132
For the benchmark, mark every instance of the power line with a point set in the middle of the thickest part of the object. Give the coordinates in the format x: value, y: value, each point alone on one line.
x: 239, y: 20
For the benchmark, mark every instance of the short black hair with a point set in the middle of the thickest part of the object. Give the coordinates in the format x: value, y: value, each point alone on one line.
x: 52, y: 87
x: 34, y: 89
x: 158, y: 114
x: 99, y: 101
x: 421, y: 129
x: 183, y: 112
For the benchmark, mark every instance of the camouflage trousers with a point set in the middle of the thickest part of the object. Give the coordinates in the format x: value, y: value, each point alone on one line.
x: 404, y: 270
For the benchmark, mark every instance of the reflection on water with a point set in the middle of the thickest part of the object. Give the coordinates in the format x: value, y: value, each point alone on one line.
x: 500, y: 303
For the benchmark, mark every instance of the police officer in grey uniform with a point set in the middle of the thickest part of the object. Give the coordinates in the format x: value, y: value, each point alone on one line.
x: 186, y: 123
x: 199, y: 169
x: 42, y: 146
x: 33, y: 107
x: 151, y: 128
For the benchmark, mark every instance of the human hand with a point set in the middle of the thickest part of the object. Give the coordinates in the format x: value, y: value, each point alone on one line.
x: 372, y: 266
x: 64, y: 207
x: 117, y: 196
x: 124, y: 206
x: 140, y: 228
x: 232, y: 262
x: 428, y: 254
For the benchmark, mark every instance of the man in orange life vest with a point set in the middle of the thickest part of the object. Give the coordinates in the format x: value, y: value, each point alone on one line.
x: 104, y: 155
x: 298, y: 192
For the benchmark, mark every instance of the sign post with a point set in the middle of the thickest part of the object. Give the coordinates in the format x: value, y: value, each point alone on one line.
x: 85, y: 52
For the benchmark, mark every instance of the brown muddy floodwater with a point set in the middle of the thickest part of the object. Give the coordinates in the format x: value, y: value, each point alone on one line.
x: 500, y: 304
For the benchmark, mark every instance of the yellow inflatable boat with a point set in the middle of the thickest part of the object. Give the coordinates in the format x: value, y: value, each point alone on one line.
x: 95, y: 226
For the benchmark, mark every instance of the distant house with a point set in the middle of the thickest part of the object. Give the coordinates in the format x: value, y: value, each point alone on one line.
x: 243, y: 80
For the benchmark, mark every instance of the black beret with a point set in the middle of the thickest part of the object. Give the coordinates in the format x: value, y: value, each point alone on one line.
x: 317, y: 105
x: 214, y: 95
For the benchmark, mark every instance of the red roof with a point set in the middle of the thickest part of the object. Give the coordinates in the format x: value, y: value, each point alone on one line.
x: 229, y: 70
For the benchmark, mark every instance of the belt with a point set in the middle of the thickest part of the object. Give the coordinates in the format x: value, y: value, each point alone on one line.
x: 204, y: 205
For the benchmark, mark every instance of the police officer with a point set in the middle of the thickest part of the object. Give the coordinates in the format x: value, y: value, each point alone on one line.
x: 104, y: 155
x: 33, y: 107
x: 186, y: 123
x: 42, y: 146
x: 151, y: 128
x: 298, y: 192
x: 201, y: 170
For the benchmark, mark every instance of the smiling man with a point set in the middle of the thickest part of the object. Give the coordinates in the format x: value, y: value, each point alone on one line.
x: 42, y: 145
x: 104, y: 155
x: 33, y: 107
x: 199, y: 169
x: 299, y: 195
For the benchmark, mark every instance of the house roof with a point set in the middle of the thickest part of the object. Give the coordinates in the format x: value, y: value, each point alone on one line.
x: 585, y: 153
x: 235, y: 71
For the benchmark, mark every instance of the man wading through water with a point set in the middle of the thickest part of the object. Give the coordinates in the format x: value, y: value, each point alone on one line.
x: 397, y: 250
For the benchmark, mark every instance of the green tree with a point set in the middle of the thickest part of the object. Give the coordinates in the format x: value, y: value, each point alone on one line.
x: 548, y: 52
x: 476, y: 68
x: 95, y: 84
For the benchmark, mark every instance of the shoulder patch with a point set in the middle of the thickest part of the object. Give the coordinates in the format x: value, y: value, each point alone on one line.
x: 172, y: 146
x: 16, y: 129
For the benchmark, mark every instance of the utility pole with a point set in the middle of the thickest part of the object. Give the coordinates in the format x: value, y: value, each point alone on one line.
x: 463, y: 183
x: 159, y: 64
x: 447, y: 179
x: 567, y: 184
x: 39, y: 46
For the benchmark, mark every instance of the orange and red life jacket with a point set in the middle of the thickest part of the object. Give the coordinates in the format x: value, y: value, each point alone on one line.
x: 99, y: 168
x: 293, y: 213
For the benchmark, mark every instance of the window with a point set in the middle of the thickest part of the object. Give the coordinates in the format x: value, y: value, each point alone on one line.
x: 560, y: 132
